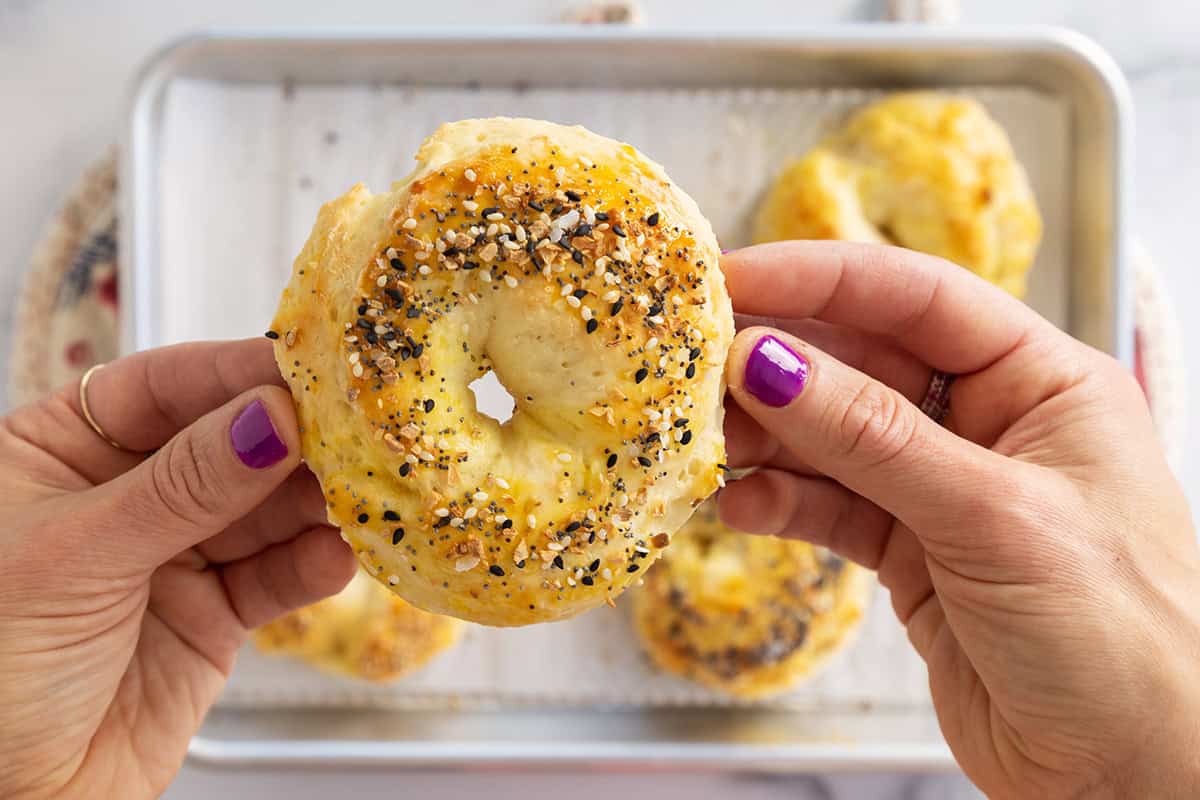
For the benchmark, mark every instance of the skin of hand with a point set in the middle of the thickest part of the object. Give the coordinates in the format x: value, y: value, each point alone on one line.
x: 131, y: 576
x: 1037, y: 548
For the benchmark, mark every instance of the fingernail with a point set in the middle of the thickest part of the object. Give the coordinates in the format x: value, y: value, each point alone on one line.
x: 725, y: 252
x: 775, y: 373
x: 254, y: 437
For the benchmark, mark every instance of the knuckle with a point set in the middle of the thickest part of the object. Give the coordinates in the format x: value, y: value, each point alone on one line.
x: 874, y: 426
x: 184, y: 481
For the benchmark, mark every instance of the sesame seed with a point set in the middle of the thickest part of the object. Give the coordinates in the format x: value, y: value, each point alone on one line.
x: 363, y: 519
x: 495, y: 216
x: 425, y: 269
x: 573, y: 196
x: 485, y: 276
x: 652, y: 220
x: 592, y: 325
x: 271, y: 335
x: 393, y: 580
x: 640, y: 375
x: 652, y: 343
x: 405, y: 468
x: 645, y: 462
x: 564, y: 458
x: 480, y: 497
x: 611, y: 296
x: 616, y: 307
x: 531, y: 521
x: 358, y: 370
x: 612, y: 460
x: 511, y: 281
x: 573, y: 301
x: 618, y: 231
x: 503, y: 484
x: 391, y: 516
x: 686, y: 438
x: 586, y: 313
x: 471, y: 512
x: 469, y: 174
x: 470, y: 205
x: 655, y: 320
x: 397, y: 535
x: 441, y: 512
x: 606, y: 574
x: 691, y: 370
x: 632, y: 568
x: 587, y: 580
x: 496, y: 570
x: 409, y: 224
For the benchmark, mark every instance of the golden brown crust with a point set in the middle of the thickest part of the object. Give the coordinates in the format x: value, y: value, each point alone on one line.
x: 748, y: 615
x: 922, y: 170
x: 571, y: 266
x: 365, y: 632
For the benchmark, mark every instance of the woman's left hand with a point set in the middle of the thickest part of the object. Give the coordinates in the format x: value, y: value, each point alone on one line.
x: 132, y: 575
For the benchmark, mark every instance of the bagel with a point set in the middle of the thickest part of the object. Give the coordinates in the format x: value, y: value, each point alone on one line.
x: 747, y: 615
x: 569, y: 265
x: 922, y: 170
x: 364, y: 631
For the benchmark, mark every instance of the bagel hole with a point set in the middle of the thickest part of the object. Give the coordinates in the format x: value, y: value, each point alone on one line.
x: 491, y: 398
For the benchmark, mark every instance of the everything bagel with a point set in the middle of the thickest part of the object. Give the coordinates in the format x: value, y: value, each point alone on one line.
x: 569, y: 265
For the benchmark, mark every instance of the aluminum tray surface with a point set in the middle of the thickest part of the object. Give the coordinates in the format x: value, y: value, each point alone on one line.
x: 282, y: 122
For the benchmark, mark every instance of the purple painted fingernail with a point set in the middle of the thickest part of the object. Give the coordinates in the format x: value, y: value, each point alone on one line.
x: 254, y: 437
x: 725, y: 252
x: 775, y: 373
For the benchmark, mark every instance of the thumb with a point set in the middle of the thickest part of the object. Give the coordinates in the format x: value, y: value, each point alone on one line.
x: 858, y: 431
x: 206, y: 477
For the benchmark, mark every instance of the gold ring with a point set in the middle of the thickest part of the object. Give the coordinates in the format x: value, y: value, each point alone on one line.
x: 87, y: 412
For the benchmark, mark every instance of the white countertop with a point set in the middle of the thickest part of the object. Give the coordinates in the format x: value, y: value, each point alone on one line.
x: 65, y: 66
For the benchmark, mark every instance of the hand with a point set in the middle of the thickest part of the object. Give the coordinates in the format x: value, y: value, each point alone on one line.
x: 131, y: 577
x: 1037, y: 548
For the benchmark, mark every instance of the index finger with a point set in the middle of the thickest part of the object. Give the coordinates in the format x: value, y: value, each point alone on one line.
x: 939, y: 312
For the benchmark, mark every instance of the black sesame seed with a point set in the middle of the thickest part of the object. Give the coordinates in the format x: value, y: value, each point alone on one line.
x: 558, y: 562
x: 617, y: 306
x: 469, y: 265
x: 371, y: 337
x: 389, y: 336
x: 645, y: 462
x: 690, y: 372
x: 391, y: 516
x: 587, y: 580
x: 693, y: 354
x: 652, y: 438
x: 405, y: 468
x: 612, y: 460
x: 271, y: 335
x: 723, y: 467
x: 577, y: 256
x: 617, y: 230
x: 397, y: 535
x: 652, y: 220
x: 450, y: 252
x: 397, y: 264
x: 441, y: 523
x: 595, y: 565
x: 405, y: 353
x: 362, y: 309
x: 413, y: 312
x: 521, y: 565
x: 496, y: 570
x: 583, y: 230
x: 572, y: 196
x: 508, y: 523
x: 592, y: 324
x: 411, y: 341
x: 681, y: 422
x: 580, y: 294
x: 363, y: 519
x: 632, y: 568
x: 428, y: 405
x: 686, y: 438
x: 489, y: 211
x: 365, y: 324
x: 536, y: 206
x: 654, y: 310
x: 418, y: 350
x: 601, y: 216
x: 574, y: 526
x: 640, y: 375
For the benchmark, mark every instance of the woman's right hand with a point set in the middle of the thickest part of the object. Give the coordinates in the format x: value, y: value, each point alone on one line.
x: 1037, y: 547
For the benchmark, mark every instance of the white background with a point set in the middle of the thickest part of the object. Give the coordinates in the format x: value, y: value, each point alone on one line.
x: 66, y: 65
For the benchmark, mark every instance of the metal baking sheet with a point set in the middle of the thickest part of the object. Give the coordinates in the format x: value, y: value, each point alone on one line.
x: 235, y: 140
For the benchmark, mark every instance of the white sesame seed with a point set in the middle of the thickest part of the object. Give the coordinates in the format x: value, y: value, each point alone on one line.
x: 492, y: 229
x: 679, y: 434
x: 677, y: 300
x: 485, y: 276
x: 381, y: 329
x: 425, y: 269
x: 570, y: 581
x: 531, y: 521
x: 606, y: 574
x: 555, y: 546
x: 564, y: 458
x: 503, y: 484
x: 440, y: 245
x: 451, y: 265
x: 354, y: 357
x: 381, y: 280
x: 495, y: 216
x: 662, y: 362
x: 622, y: 499
x: 511, y: 281
x: 585, y: 312
x: 652, y: 343
x: 470, y: 205
x: 358, y: 370
x: 480, y: 497
x: 655, y: 320
x: 469, y: 174
x: 641, y: 239
x: 573, y: 301
x: 651, y: 413
x: 390, y: 252
x: 409, y: 224
x: 567, y: 289
x: 441, y: 512
x: 589, y: 214
x: 509, y: 244
x: 471, y: 512
x: 501, y: 519
x: 457, y: 522
x: 421, y: 256
x: 474, y: 298
x: 611, y: 296
x: 393, y: 580
x: 410, y: 458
